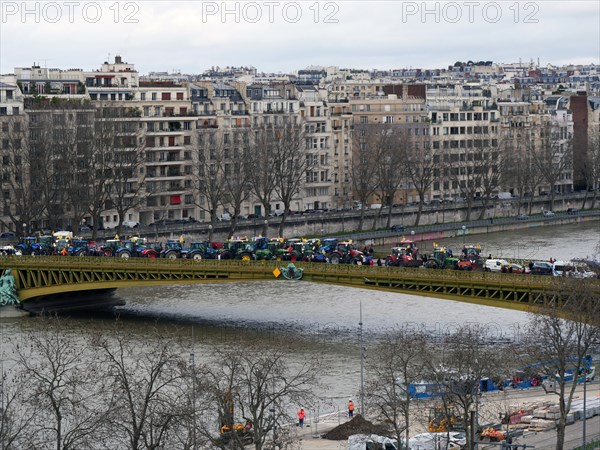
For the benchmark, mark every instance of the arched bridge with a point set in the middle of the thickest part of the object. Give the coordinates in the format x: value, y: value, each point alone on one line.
x: 40, y: 279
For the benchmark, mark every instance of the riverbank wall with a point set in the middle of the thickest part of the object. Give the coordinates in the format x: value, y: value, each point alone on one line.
x: 460, y: 231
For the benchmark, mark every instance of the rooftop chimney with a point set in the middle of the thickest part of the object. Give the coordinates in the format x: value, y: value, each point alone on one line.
x: 117, y: 59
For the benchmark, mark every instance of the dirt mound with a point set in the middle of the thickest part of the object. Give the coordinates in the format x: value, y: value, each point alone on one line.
x: 358, y: 425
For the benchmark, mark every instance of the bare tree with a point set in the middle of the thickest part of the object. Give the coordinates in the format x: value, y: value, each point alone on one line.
x: 458, y: 367
x: 589, y: 168
x: 464, y: 173
x: 392, y: 150
x: 24, y: 205
x: 16, y: 414
x: 126, y: 164
x: 97, y: 156
x: 62, y: 385
x: 560, y: 337
x: 364, y: 166
x: 260, y: 387
x: 520, y: 171
x: 236, y: 176
x: 491, y: 165
x: 261, y: 164
x: 292, y: 162
x: 209, y: 173
x: 420, y: 169
x: 399, y: 360
x: 144, y: 384
x: 71, y: 141
x: 553, y: 155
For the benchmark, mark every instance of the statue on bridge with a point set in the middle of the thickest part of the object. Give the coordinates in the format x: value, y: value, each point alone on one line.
x: 291, y: 272
x: 8, y: 289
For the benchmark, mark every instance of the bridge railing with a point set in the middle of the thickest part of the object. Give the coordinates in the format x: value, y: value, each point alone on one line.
x: 359, y: 272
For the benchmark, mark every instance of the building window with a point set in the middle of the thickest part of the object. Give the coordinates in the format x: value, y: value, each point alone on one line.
x: 388, y: 119
x: 166, y: 96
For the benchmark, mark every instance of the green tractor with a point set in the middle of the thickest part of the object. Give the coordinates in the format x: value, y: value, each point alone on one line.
x: 442, y: 258
x: 298, y: 250
x: 238, y: 249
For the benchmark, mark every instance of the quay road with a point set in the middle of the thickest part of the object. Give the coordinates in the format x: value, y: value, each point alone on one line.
x: 322, y: 223
x: 491, y: 406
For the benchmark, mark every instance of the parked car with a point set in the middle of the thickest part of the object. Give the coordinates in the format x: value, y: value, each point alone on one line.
x: 130, y: 224
x: 540, y: 268
x: 8, y: 235
x: 572, y: 211
x: 514, y: 268
x: 549, y: 214
x: 398, y: 228
x: 522, y: 217
x: 163, y: 222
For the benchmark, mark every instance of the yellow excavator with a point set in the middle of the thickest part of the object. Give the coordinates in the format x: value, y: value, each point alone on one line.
x: 229, y: 429
x: 442, y: 418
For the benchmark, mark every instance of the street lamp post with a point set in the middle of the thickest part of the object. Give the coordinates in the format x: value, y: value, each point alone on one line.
x: 266, y: 228
x: 362, y: 364
x: 210, y: 232
x: 24, y: 229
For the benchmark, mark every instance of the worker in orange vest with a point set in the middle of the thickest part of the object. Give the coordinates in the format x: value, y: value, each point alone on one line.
x: 350, y: 408
x: 301, y: 416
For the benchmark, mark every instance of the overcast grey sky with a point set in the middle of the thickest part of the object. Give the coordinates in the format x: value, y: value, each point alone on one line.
x: 282, y: 36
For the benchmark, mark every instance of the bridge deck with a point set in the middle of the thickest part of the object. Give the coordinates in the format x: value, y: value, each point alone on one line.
x: 42, y: 276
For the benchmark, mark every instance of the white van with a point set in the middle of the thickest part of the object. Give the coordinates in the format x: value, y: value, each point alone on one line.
x: 224, y: 216
x: 495, y: 265
x: 571, y: 269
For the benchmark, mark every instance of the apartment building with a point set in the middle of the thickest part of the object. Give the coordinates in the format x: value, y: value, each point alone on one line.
x: 342, y: 125
x: 319, y: 137
x: 404, y: 111
x: 165, y: 118
x: 12, y: 123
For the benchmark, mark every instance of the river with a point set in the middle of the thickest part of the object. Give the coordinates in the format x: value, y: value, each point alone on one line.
x: 313, y: 319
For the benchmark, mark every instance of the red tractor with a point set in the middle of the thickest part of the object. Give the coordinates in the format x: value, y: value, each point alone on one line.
x: 405, y: 255
x: 470, y: 258
x: 344, y: 253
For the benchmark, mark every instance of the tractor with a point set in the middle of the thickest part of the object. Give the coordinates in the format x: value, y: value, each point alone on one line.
x: 172, y: 250
x: 62, y: 246
x: 80, y: 247
x: 405, y: 254
x: 138, y: 248
x: 298, y: 251
x: 269, y: 249
x: 470, y: 258
x: 111, y: 246
x: 442, y: 258
x: 344, y: 253
x: 238, y: 249
x: 199, y: 250
x: 47, y: 245
x: 29, y: 246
